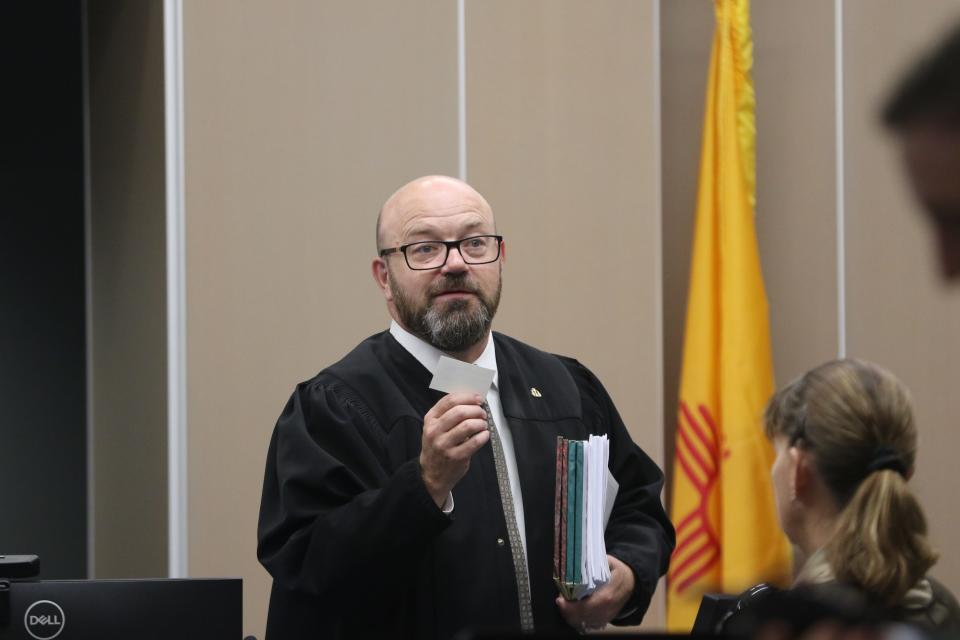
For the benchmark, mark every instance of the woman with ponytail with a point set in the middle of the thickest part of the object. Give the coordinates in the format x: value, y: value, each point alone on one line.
x: 846, y: 446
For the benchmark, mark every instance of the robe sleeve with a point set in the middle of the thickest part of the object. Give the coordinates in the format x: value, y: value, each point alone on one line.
x: 335, y: 521
x: 639, y: 532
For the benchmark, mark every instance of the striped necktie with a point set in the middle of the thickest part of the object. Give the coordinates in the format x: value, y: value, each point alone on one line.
x: 513, y: 532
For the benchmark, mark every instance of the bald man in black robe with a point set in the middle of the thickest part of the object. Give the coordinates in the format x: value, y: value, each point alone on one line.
x: 381, y: 513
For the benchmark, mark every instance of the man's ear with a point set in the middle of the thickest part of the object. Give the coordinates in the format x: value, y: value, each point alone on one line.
x: 503, y: 251
x: 379, y: 270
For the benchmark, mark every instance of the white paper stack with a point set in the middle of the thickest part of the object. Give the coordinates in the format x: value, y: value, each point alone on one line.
x: 585, y: 494
x: 596, y: 453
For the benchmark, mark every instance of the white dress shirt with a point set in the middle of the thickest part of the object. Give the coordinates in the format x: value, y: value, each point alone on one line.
x: 428, y: 355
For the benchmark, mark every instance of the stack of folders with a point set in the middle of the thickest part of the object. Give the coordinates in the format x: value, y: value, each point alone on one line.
x: 584, y: 499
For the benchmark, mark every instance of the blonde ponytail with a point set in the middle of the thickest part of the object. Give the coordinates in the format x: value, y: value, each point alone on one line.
x: 879, y: 543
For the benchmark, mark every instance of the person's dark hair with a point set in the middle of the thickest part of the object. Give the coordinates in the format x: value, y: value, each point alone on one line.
x: 930, y: 89
x: 856, y: 420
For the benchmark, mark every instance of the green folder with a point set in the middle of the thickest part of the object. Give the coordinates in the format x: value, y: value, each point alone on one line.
x: 572, y: 508
x: 578, y: 532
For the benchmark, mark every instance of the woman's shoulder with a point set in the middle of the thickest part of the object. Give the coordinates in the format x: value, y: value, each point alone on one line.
x: 931, y: 606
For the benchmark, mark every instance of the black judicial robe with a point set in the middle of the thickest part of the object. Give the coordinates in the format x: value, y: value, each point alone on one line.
x: 355, y: 544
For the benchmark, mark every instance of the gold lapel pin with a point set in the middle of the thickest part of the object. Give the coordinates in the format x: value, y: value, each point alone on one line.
x: 535, y: 392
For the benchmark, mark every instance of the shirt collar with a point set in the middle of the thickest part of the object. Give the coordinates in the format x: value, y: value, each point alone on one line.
x: 428, y: 355
x: 816, y: 570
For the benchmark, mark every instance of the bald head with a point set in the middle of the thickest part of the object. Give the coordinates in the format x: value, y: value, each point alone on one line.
x: 449, y: 304
x: 419, y: 206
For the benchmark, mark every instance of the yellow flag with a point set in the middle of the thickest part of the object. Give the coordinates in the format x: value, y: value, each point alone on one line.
x: 728, y: 534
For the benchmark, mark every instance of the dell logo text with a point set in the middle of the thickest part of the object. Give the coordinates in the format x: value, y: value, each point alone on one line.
x: 44, y: 620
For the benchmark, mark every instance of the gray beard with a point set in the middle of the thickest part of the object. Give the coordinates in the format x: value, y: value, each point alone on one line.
x: 452, y: 327
x: 456, y: 328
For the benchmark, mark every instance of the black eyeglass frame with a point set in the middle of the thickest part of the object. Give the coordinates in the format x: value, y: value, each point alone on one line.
x: 449, y: 244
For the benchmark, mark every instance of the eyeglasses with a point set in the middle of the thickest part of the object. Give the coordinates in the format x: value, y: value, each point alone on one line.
x: 433, y: 254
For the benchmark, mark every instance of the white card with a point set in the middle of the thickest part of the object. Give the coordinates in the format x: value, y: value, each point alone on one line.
x: 455, y: 376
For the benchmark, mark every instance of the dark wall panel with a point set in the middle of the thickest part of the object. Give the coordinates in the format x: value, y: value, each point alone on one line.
x: 128, y: 328
x: 43, y: 495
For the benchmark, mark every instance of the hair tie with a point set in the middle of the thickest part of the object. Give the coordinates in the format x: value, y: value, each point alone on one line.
x: 886, y: 458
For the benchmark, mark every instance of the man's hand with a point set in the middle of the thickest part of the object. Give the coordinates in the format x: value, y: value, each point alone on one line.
x: 600, y: 607
x: 453, y: 430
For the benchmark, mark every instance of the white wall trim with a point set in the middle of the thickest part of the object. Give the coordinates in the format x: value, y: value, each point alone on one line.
x: 841, y: 178
x: 88, y: 286
x: 660, y: 600
x: 658, y: 204
x: 461, y: 91
x: 176, y: 289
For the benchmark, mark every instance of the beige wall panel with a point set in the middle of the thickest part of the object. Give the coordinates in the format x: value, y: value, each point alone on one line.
x: 899, y: 314
x: 796, y: 179
x: 301, y: 118
x: 685, y: 38
x: 129, y: 339
x: 796, y: 212
x: 563, y: 140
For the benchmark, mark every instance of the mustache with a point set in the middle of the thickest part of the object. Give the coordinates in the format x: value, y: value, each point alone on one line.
x: 457, y: 283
